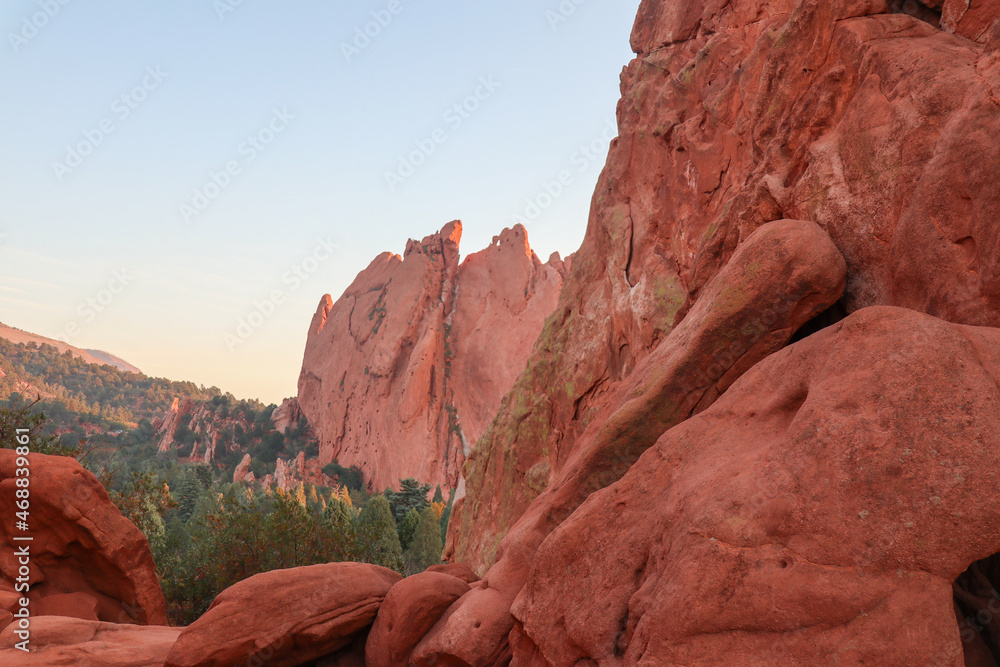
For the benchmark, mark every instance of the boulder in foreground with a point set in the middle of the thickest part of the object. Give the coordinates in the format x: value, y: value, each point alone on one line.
x: 818, y: 514
x: 88, y: 558
x: 285, y: 618
x: 71, y: 642
x: 410, y: 609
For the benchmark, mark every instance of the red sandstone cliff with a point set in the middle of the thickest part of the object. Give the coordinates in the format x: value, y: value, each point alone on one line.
x: 877, y: 126
x: 402, y: 374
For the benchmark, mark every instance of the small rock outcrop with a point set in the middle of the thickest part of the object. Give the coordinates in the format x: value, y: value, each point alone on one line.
x: 287, y: 415
x: 402, y: 374
x: 86, y: 558
x: 285, y: 618
x: 242, y: 472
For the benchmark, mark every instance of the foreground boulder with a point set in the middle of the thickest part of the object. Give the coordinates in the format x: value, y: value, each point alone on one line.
x: 410, y: 609
x: 785, y: 274
x: 72, y: 642
x: 817, y: 514
x: 285, y: 618
x: 87, y: 560
x: 419, y: 350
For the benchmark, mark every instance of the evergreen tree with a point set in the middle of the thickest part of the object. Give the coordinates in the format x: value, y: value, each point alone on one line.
x: 438, y: 496
x: 408, y: 528
x: 376, y: 519
x: 411, y: 495
x: 337, y: 513
x: 188, y: 493
x: 427, y: 545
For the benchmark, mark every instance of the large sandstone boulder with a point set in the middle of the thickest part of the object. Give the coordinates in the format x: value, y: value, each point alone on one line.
x: 410, y: 609
x: 87, y: 560
x: 817, y: 514
x: 878, y: 126
x: 285, y: 618
x: 785, y: 274
x: 71, y: 642
x: 401, y: 374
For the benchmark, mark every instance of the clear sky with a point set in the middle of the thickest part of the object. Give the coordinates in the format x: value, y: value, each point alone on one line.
x: 168, y: 166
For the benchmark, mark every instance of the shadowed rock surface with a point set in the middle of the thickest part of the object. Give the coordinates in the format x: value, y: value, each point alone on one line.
x: 87, y: 559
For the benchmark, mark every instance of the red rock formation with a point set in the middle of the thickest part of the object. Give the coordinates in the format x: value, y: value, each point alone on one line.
x: 830, y: 498
x: 166, y: 426
x: 242, y: 471
x: 407, y: 613
x: 69, y: 642
x: 286, y: 415
x: 405, y: 370
x: 285, y: 617
x: 200, y: 419
x: 873, y: 125
x: 85, y: 554
x: 784, y: 275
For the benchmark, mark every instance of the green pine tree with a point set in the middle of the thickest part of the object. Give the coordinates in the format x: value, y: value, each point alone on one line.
x: 408, y: 528
x: 411, y: 495
x: 438, y: 496
x: 337, y: 513
x: 384, y: 547
x: 188, y: 493
x: 427, y: 545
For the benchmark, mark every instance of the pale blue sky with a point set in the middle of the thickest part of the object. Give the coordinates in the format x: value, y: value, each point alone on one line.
x: 182, y: 91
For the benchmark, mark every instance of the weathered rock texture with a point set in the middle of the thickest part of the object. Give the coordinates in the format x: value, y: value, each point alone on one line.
x: 285, y: 618
x: 785, y: 274
x: 401, y: 375
x: 86, y: 558
x: 876, y: 126
x: 410, y: 609
x: 70, y: 642
x: 828, y: 500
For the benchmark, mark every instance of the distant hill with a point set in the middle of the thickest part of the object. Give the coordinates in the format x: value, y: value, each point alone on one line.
x: 97, y: 357
x: 112, y: 360
x: 153, y: 421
